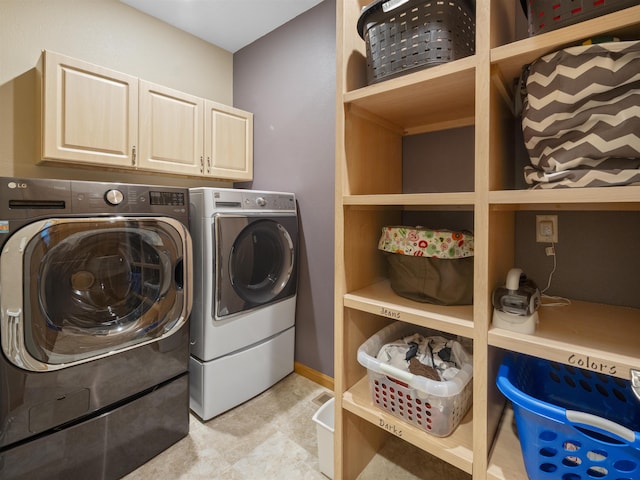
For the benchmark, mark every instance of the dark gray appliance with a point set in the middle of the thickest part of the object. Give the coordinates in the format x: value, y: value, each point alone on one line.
x: 95, y: 296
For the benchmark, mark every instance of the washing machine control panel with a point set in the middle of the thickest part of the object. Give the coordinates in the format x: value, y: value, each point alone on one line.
x: 167, y: 198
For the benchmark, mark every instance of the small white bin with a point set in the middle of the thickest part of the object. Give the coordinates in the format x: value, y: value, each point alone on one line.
x: 324, y: 419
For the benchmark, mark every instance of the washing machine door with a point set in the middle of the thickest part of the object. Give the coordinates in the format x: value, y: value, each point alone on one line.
x: 73, y: 290
x: 256, y: 261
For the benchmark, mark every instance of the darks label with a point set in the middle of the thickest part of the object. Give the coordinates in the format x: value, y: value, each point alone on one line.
x: 390, y: 427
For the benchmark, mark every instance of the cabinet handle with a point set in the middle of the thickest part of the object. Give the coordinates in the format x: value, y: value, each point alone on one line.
x: 208, y: 164
x: 201, y: 164
x: 133, y: 155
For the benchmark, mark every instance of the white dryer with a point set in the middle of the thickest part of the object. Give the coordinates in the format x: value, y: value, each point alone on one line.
x: 245, y: 284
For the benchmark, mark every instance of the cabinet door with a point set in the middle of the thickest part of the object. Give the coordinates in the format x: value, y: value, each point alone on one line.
x: 171, y: 127
x: 89, y: 113
x: 228, y: 142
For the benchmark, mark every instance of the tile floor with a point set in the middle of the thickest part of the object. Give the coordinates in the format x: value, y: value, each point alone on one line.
x: 273, y: 437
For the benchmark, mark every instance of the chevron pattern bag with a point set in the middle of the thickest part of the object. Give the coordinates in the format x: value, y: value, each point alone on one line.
x: 581, y: 116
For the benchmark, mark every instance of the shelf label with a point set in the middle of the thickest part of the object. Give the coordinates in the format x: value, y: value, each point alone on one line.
x: 589, y: 363
x: 390, y: 427
x: 385, y: 312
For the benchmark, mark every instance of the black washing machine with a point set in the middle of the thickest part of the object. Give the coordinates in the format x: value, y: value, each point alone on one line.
x: 95, y: 296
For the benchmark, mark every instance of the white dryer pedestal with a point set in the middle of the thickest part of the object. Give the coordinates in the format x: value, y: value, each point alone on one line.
x: 221, y: 384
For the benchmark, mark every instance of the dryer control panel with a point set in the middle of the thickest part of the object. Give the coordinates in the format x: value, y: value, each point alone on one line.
x: 268, y: 201
x: 256, y: 200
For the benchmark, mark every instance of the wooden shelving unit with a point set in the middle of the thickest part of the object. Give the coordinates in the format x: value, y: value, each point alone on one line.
x: 371, y: 122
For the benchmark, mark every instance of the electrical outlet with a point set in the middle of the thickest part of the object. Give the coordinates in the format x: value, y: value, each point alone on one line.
x: 547, y: 228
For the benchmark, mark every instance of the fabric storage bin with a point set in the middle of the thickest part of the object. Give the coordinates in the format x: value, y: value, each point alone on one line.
x: 403, y: 36
x: 572, y: 423
x: 431, y: 405
x: 547, y: 15
x: 433, y: 266
x: 580, y: 116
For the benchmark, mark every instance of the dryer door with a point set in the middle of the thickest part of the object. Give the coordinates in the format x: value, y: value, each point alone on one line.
x: 256, y: 261
x: 74, y: 290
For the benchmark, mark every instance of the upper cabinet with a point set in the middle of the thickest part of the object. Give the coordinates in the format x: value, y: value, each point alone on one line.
x: 95, y: 116
x: 89, y: 114
x: 228, y: 142
x: 171, y: 130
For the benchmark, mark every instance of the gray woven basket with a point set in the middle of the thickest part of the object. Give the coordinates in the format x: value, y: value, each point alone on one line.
x: 547, y: 15
x: 404, y: 36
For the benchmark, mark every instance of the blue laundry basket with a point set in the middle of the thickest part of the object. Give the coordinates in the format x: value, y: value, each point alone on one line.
x: 573, y: 424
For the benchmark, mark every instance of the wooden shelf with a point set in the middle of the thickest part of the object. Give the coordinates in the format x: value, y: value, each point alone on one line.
x: 456, y: 200
x: 371, y: 120
x: 506, y: 462
x: 456, y: 449
x: 607, y: 198
x: 512, y: 57
x: 602, y: 338
x: 380, y: 299
x: 428, y: 201
x: 436, y: 98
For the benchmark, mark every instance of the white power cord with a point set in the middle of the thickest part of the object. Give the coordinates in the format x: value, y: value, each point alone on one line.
x: 558, y: 301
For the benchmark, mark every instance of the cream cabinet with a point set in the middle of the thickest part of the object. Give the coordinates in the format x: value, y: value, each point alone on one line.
x: 99, y: 117
x: 185, y: 134
x: 171, y: 130
x: 88, y: 114
x: 228, y: 142
x: 372, y: 122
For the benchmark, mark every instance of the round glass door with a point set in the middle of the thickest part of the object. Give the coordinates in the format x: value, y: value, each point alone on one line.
x: 93, y: 287
x: 261, y: 261
x: 103, y: 282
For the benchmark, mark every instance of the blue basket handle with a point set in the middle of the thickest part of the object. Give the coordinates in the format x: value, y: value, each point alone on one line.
x: 604, y: 426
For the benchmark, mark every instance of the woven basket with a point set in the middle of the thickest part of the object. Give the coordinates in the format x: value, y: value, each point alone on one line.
x: 403, y: 36
x: 547, y: 15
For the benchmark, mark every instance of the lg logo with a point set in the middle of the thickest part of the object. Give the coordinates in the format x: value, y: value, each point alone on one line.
x: 17, y: 185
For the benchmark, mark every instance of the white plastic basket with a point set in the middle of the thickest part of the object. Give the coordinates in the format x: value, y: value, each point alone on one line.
x: 433, y: 406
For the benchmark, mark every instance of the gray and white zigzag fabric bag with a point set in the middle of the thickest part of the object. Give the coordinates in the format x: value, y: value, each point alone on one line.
x: 581, y: 116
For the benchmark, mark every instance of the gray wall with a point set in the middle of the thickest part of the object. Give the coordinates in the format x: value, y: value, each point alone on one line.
x: 287, y: 79
x: 597, y: 258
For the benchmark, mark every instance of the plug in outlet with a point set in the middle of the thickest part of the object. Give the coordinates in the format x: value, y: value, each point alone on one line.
x: 547, y: 228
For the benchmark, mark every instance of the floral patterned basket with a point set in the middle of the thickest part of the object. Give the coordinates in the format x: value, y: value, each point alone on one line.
x: 433, y: 266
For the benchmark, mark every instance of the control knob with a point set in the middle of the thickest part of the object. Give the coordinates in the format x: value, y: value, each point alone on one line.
x: 114, y: 197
